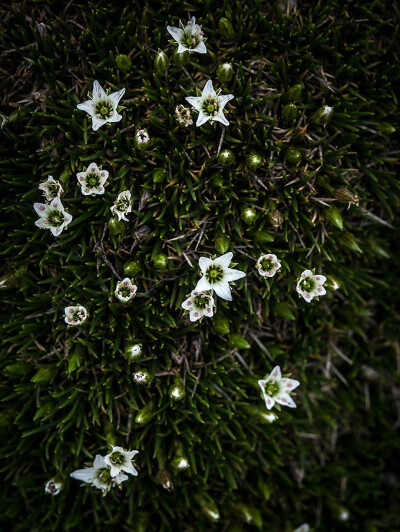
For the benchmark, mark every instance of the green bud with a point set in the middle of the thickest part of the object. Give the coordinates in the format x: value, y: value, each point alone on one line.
x: 254, y: 161
x: 225, y: 28
x: 332, y: 283
x: 142, y: 376
x: 249, y: 515
x: 181, y: 59
x: 346, y: 196
x: 249, y: 215
x: 163, y: 477
x: 294, y: 93
x: 133, y: 352
x: 159, y: 175
x: 276, y: 218
x: 131, y: 268
x: 218, y: 180
x: 43, y: 375
x: 335, y: 217
x: 225, y: 72
x: 115, y: 226
x: 211, y: 511
x: 293, y: 156
x: 263, y: 236
x: 221, y: 325
x: 323, y: 116
x: 385, y: 128
x: 161, y: 62
x: 237, y: 340
x: 123, y: 62
x: 289, y: 113
x: 226, y: 158
x: 180, y: 463
x: 160, y: 261
x: 177, y: 390
x: 222, y: 244
x: 145, y: 414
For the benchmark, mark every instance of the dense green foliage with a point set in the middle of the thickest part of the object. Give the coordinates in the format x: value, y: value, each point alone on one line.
x: 67, y: 393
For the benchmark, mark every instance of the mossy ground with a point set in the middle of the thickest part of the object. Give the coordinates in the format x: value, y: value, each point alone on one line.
x: 67, y: 393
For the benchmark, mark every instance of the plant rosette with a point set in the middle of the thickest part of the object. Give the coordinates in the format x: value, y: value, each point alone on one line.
x: 92, y: 180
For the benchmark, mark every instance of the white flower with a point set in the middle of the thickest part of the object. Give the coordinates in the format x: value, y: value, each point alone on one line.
x: 310, y: 285
x: 92, y: 180
x: 142, y: 138
x: 269, y: 416
x: 102, y: 107
x: 199, y: 304
x: 120, y: 460
x: 141, y: 377
x: 99, y: 475
x: 268, y: 265
x: 183, y: 115
x: 125, y: 290
x: 52, y: 487
x: 75, y: 315
x: 217, y: 275
x: 122, y: 205
x: 210, y: 105
x: 189, y: 38
x: 51, y: 188
x: 133, y: 351
x: 305, y: 527
x: 276, y: 389
x: 52, y: 216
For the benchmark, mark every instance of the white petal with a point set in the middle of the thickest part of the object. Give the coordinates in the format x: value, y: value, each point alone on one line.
x: 195, y: 315
x: 224, y: 260
x: 220, y: 118
x: 204, y: 263
x: 116, y: 96
x: 209, y: 313
x: 275, y: 374
x: 321, y: 279
x: 120, y: 478
x: 114, y: 118
x: 231, y: 275
x: 306, y: 273
x: 128, y: 468
x: 42, y: 223
x: 97, y: 123
x: 182, y: 48
x: 202, y: 119
x: 269, y: 402
x: 40, y: 208
x: 98, y: 92
x: 209, y: 90
x: 223, y: 100
x: 99, y: 462
x: 284, y: 399
x: 84, y: 475
x: 195, y: 101
x: 56, y: 230
x: 86, y: 106
x: 223, y: 290
x: 176, y: 33
x: 203, y: 285
x: 201, y: 48
x: 187, y: 305
x: 67, y: 218
x: 289, y: 384
x: 114, y: 470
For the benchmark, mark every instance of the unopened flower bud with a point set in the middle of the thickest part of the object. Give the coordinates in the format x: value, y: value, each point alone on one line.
x: 346, y: 196
x: 123, y: 62
x: 210, y: 510
x: 115, y: 226
x: 237, y: 340
x: 222, y: 244
x: 294, y: 93
x: 133, y: 352
x: 249, y: 215
x: 145, y: 414
x: 132, y: 268
x: 323, y: 116
x: 335, y: 217
x: 163, y: 477
x: 221, y: 325
x: 226, y: 158
x: 225, y: 72
x: 254, y: 161
x: 161, y: 62
x: 385, y: 128
x: 180, y: 462
x: 142, y: 139
x: 276, y: 218
x: 177, y: 390
x: 289, y: 113
x: 263, y: 236
x: 293, y: 156
x: 225, y: 28
x: 160, y: 261
x: 249, y: 515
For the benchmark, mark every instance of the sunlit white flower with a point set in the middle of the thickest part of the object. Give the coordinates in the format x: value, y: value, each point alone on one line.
x: 199, y: 304
x: 276, y: 389
x: 132, y: 352
x: 52, y: 487
x: 99, y: 475
x: 125, y: 290
x: 310, y: 285
x: 122, y: 205
x: 305, y: 527
x: 141, y: 377
x: 268, y: 265
x: 210, y: 105
x: 102, y: 107
x: 92, y: 180
x: 189, y: 38
x: 51, y: 188
x: 217, y: 275
x: 75, y: 315
x: 52, y: 216
x: 142, y: 138
x: 120, y: 460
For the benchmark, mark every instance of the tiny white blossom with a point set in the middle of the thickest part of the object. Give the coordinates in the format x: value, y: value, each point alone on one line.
x: 142, y: 138
x: 269, y: 416
x: 99, y: 475
x: 51, y: 188
x: 92, y: 180
x: 120, y: 460
x: 75, y: 315
x: 125, y: 290
x: 210, y: 105
x: 217, y: 275
x: 305, y: 527
x: 122, y: 205
x: 141, y: 377
x: 276, y: 389
x: 268, y: 265
x: 310, y: 285
x: 183, y: 115
x: 189, y: 38
x: 199, y: 304
x: 133, y: 351
x: 52, y: 487
x: 52, y: 216
x: 102, y: 107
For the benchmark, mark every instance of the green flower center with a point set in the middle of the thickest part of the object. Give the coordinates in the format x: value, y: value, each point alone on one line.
x: 214, y: 274
x: 117, y: 458
x: 56, y: 218
x: 266, y: 265
x: 200, y: 301
x: 104, y: 109
x: 190, y: 39
x: 210, y: 106
x: 105, y: 475
x: 125, y: 291
x: 93, y: 179
x: 308, y: 284
x: 272, y: 388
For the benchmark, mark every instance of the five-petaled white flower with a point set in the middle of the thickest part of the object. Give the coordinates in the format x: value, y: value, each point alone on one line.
x: 268, y: 265
x: 210, y: 105
x: 92, y: 180
x: 51, y: 188
x: 199, y: 304
x: 120, y: 460
x: 310, y: 285
x: 102, y: 107
x: 52, y: 487
x: 75, y: 315
x: 276, y: 389
x: 189, y: 38
x: 217, y: 275
x: 99, y: 475
x: 52, y: 216
x: 122, y: 205
x: 125, y: 290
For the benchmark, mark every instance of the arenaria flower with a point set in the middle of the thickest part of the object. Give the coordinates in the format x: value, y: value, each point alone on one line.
x: 92, y: 180
x: 102, y: 107
x: 132, y: 352
x: 99, y: 476
x: 141, y: 377
x: 120, y: 460
x: 268, y: 264
x: 51, y: 188
x: 217, y: 275
x: 122, y: 205
x: 183, y: 115
x: 190, y: 38
x: 310, y: 285
x: 199, y: 304
x: 142, y: 139
x: 75, y: 315
x: 125, y: 290
x: 210, y: 105
x: 52, y: 487
x: 276, y: 389
x: 52, y: 216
